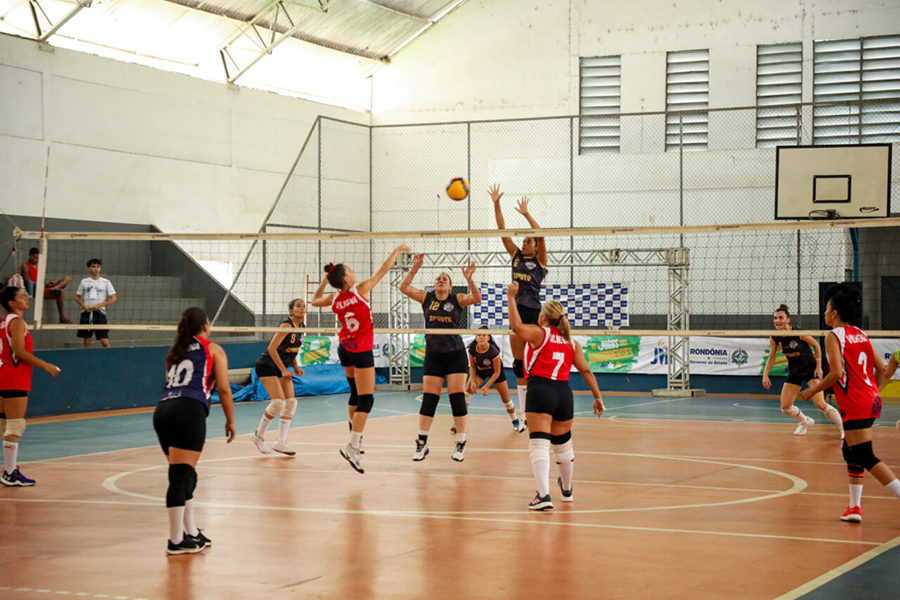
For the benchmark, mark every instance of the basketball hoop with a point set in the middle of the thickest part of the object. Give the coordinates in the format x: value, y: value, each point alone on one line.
x: 868, y: 209
x: 825, y: 215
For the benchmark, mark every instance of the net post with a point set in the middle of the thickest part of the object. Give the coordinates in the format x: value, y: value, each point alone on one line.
x: 39, y: 284
x: 398, y: 318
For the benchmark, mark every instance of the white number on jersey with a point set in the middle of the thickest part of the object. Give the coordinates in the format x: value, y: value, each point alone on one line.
x: 351, y: 323
x: 180, y: 375
x: 863, y: 359
x: 559, y: 357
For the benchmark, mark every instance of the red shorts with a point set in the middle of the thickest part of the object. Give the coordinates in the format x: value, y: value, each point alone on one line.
x: 51, y: 294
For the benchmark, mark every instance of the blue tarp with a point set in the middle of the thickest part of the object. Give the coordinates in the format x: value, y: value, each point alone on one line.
x: 317, y: 380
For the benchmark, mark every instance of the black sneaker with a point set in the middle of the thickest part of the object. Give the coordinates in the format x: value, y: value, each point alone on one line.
x: 567, y: 495
x: 204, y: 541
x: 540, y: 502
x: 189, y: 545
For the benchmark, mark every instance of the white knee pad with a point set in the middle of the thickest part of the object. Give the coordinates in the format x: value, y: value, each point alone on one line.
x: 539, y: 449
x: 290, y: 407
x: 2, y: 427
x: 275, y: 407
x: 791, y: 411
x: 14, y: 427
x: 564, y: 452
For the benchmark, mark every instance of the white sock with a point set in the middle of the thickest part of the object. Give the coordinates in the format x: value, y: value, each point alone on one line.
x: 539, y: 450
x: 794, y: 411
x: 10, y: 454
x: 284, y: 425
x: 566, y: 471
x: 856, y: 494
x: 832, y: 414
x: 460, y: 437
x: 894, y: 487
x: 521, y: 391
x: 263, y: 425
x: 176, y: 524
x: 189, y: 526
x: 355, y: 436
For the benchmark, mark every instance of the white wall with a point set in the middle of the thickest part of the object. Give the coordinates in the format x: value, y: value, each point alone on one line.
x: 519, y: 58
x: 137, y: 145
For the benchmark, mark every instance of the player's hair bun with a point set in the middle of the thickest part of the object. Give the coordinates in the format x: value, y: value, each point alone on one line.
x: 329, y: 267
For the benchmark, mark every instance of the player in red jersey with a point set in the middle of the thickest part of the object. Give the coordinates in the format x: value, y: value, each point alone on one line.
x: 855, y: 370
x: 353, y: 309
x: 16, y: 362
x: 548, y: 357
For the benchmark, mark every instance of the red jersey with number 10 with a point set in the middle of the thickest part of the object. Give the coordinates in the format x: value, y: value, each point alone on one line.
x: 552, y: 359
x: 15, y: 374
x: 355, y: 314
x: 857, y: 391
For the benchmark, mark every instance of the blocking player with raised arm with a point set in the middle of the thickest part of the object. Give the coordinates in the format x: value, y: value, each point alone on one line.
x: 352, y: 307
x: 194, y: 365
x: 272, y: 369
x: 803, y: 367
x: 549, y: 354
x: 16, y: 363
x: 445, y: 355
x: 854, y: 371
x: 529, y: 267
x: 486, y: 370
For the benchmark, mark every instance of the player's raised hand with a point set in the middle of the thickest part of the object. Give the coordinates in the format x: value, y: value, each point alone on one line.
x: 469, y: 270
x: 418, y: 260
x: 522, y: 206
x: 495, y: 193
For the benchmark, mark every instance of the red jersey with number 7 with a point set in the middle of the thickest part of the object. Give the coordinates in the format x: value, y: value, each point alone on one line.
x: 552, y: 359
x: 15, y: 374
x: 857, y: 391
x: 357, y: 322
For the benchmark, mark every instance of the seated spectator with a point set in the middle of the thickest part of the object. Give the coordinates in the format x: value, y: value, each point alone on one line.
x: 53, y: 290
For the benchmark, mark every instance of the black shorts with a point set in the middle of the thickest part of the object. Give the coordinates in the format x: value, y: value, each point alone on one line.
x: 485, y: 375
x: 180, y: 423
x: 800, y: 379
x: 13, y: 393
x: 550, y: 397
x: 98, y: 319
x: 528, y: 315
x: 266, y: 370
x: 357, y: 360
x: 858, y: 424
x: 441, y: 364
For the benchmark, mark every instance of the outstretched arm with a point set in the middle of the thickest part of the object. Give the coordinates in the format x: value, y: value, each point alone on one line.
x: 406, y: 288
x: 835, y: 368
x: 223, y: 386
x: 770, y: 362
x: 496, y: 194
x: 17, y: 338
x: 522, y: 209
x: 366, y: 286
x: 475, y: 296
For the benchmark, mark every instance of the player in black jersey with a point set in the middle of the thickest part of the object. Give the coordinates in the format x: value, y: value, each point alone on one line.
x: 803, y: 367
x: 272, y: 370
x: 486, y: 370
x: 445, y: 355
x: 529, y: 267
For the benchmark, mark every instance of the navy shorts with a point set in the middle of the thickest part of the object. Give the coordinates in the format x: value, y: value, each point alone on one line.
x: 441, y: 364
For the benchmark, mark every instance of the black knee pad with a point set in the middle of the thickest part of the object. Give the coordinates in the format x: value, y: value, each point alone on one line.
x: 429, y: 404
x: 556, y: 440
x: 179, y: 484
x: 845, y: 452
x: 518, y: 368
x: 539, y: 435
x: 354, y: 398
x: 193, y: 486
x: 365, y: 403
x: 458, y: 404
x: 855, y: 470
x: 863, y: 456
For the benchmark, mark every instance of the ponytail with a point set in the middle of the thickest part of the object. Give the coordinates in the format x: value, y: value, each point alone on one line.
x: 783, y: 308
x: 335, y: 275
x: 556, y: 317
x: 191, y: 323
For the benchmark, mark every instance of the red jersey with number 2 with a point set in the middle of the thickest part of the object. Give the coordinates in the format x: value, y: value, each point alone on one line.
x: 355, y: 314
x: 552, y: 359
x: 857, y: 391
x: 15, y: 374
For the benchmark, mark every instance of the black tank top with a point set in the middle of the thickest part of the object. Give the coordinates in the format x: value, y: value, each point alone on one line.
x: 530, y: 275
x: 287, y: 349
x: 442, y: 314
x: 484, y: 361
x: 799, y: 355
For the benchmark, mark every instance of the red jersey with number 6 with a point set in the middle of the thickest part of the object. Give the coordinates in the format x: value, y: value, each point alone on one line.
x: 355, y: 314
x: 15, y: 374
x: 857, y: 391
x: 552, y: 359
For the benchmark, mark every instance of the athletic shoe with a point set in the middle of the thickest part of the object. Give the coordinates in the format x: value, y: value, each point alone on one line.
x: 361, y: 451
x: 460, y: 453
x: 260, y: 442
x: 283, y: 447
x: 804, y: 426
x: 515, y: 424
x: 352, y: 455
x: 421, y: 451
x: 523, y: 425
x: 853, y: 514
x: 540, y: 502
x: 567, y: 495
x: 189, y: 545
x: 453, y: 428
x: 15, y: 479
x: 201, y: 539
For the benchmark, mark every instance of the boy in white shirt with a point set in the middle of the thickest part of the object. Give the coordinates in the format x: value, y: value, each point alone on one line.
x: 94, y: 294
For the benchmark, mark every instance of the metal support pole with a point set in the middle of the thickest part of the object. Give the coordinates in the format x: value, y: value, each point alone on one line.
x: 572, y: 191
x: 681, y: 177
x: 398, y: 318
x: 469, y: 179
x: 679, y: 319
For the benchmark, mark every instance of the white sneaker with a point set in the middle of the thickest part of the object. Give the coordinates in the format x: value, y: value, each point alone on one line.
x: 804, y: 426
x: 260, y: 442
x: 283, y: 447
x: 567, y: 495
x: 421, y: 451
x: 460, y: 453
x: 351, y: 454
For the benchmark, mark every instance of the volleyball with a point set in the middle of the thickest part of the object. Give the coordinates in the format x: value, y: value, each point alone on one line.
x: 458, y: 188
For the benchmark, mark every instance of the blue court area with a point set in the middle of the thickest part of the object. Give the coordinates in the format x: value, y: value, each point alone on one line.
x: 872, y: 575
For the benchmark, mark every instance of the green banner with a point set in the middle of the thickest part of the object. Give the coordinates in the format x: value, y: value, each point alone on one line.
x: 417, y: 351
x: 612, y: 353
x: 316, y: 350
x: 779, y: 369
